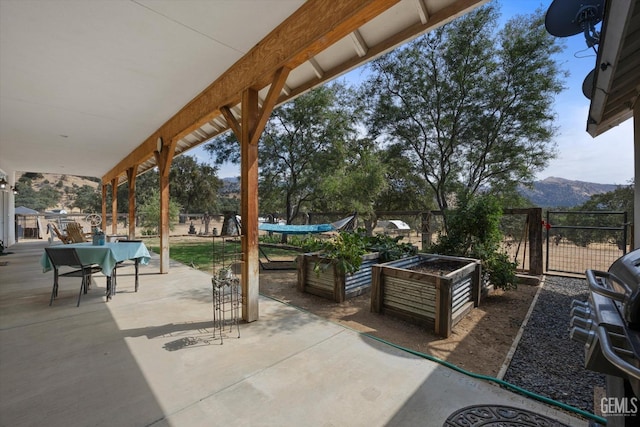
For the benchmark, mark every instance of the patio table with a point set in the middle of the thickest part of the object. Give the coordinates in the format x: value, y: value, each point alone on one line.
x: 106, y: 256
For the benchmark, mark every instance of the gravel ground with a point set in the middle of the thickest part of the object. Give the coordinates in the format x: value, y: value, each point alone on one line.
x: 547, y: 361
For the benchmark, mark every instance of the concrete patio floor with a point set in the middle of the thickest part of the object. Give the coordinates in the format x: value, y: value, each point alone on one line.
x: 148, y: 358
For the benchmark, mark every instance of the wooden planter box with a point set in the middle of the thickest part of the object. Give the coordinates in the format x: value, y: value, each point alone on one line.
x: 331, y: 283
x: 433, y: 299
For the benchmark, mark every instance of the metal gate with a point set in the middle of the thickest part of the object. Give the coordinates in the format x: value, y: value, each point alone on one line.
x: 577, y: 241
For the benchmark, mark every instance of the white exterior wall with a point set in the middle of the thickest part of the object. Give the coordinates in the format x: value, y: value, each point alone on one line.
x: 636, y: 174
x: 8, y: 210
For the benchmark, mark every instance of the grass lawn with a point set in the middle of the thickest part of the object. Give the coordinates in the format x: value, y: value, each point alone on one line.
x: 201, y: 254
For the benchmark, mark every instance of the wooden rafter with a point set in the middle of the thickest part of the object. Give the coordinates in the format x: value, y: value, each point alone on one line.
x: 316, y: 25
x: 231, y: 119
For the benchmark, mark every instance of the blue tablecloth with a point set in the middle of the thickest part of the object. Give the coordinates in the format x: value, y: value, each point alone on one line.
x: 106, y: 256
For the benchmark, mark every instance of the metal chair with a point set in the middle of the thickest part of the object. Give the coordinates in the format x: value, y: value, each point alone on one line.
x: 68, y: 257
x: 121, y: 264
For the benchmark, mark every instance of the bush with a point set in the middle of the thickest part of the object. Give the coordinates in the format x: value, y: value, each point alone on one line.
x: 473, y: 231
x: 150, y: 213
x: 347, y: 248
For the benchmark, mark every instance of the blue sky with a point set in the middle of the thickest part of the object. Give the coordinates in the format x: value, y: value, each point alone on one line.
x: 607, y: 159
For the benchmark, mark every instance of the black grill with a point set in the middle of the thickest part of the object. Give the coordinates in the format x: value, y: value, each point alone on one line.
x: 608, y: 323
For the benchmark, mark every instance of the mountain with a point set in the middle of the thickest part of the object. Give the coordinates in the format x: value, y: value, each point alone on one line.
x: 551, y: 192
x: 563, y: 193
x: 230, y: 186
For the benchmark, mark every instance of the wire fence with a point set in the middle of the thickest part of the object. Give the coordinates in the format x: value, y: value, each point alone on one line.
x: 577, y: 241
x: 570, y: 242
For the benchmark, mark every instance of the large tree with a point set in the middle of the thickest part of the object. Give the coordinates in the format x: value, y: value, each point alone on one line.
x: 356, y: 183
x: 40, y: 200
x: 468, y: 105
x: 305, y: 143
x: 193, y: 185
x: 87, y: 199
x: 405, y: 191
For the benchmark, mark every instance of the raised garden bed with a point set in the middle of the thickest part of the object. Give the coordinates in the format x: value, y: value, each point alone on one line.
x: 329, y: 282
x: 431, y: 290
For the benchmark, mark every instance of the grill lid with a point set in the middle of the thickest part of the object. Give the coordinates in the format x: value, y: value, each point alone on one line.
x: 625, y: 280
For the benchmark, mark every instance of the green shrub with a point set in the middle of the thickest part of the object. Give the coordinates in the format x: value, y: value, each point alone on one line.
x: 150, y: 213
x: 347, y: 248
x: 473, y: 231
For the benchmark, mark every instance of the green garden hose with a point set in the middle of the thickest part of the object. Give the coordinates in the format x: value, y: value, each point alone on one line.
x: 449, y: 365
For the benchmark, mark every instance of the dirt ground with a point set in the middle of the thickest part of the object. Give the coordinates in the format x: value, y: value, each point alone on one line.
x: 480, y: 342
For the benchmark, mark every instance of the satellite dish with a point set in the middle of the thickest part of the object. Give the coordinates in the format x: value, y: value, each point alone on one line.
x: 570, y: 17
x: 587, y: 84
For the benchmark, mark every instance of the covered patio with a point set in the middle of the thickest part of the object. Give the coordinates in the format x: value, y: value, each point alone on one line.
x: 148, y: 358
x: 112, y: 89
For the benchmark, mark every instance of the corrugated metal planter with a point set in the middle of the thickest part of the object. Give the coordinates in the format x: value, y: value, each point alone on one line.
x: 434, y: 299
x: 332, y: 283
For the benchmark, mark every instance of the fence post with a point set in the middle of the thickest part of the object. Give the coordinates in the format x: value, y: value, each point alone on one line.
x: 426, y: 229
x: 535, y: 241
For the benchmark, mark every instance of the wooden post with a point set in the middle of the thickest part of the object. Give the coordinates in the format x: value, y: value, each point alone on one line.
x: 426, y: 229
x: 339, y: 284
x: 163, y: 159
x: 535, y: 241
x: 376, y: 289
x: 248, y: 132
x: 437, y: 316
x: 301, y: 263
x: 114, y: 206
x: 476, y: 286
x: 103, y: 226
x: 444, y: 306
x: 131, y: 177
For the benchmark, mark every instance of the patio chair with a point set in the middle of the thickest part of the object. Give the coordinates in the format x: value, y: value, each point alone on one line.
x: 68, y: 257
x: 120, y: 264
x: 63, y: 237
x: 74, y: 230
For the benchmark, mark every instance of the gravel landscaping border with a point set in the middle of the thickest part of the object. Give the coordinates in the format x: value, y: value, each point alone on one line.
x: 546, y: 361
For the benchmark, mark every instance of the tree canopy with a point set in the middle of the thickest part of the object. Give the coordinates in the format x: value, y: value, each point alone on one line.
x: 462, y: 110
x: 193, y: 185
x: 309, y: 152
x: 469, y: 106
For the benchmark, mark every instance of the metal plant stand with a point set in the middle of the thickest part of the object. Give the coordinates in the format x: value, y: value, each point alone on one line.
x: 225, y: 285
x: 227, y: 300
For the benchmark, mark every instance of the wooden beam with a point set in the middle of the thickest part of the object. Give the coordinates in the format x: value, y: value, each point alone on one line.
x: 231, y: 120
x: 316, y: 25
x: 270, y: 101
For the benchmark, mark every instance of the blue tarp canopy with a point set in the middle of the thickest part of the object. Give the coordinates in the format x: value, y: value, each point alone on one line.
x: 343, y: 224
x: 296, y: 229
